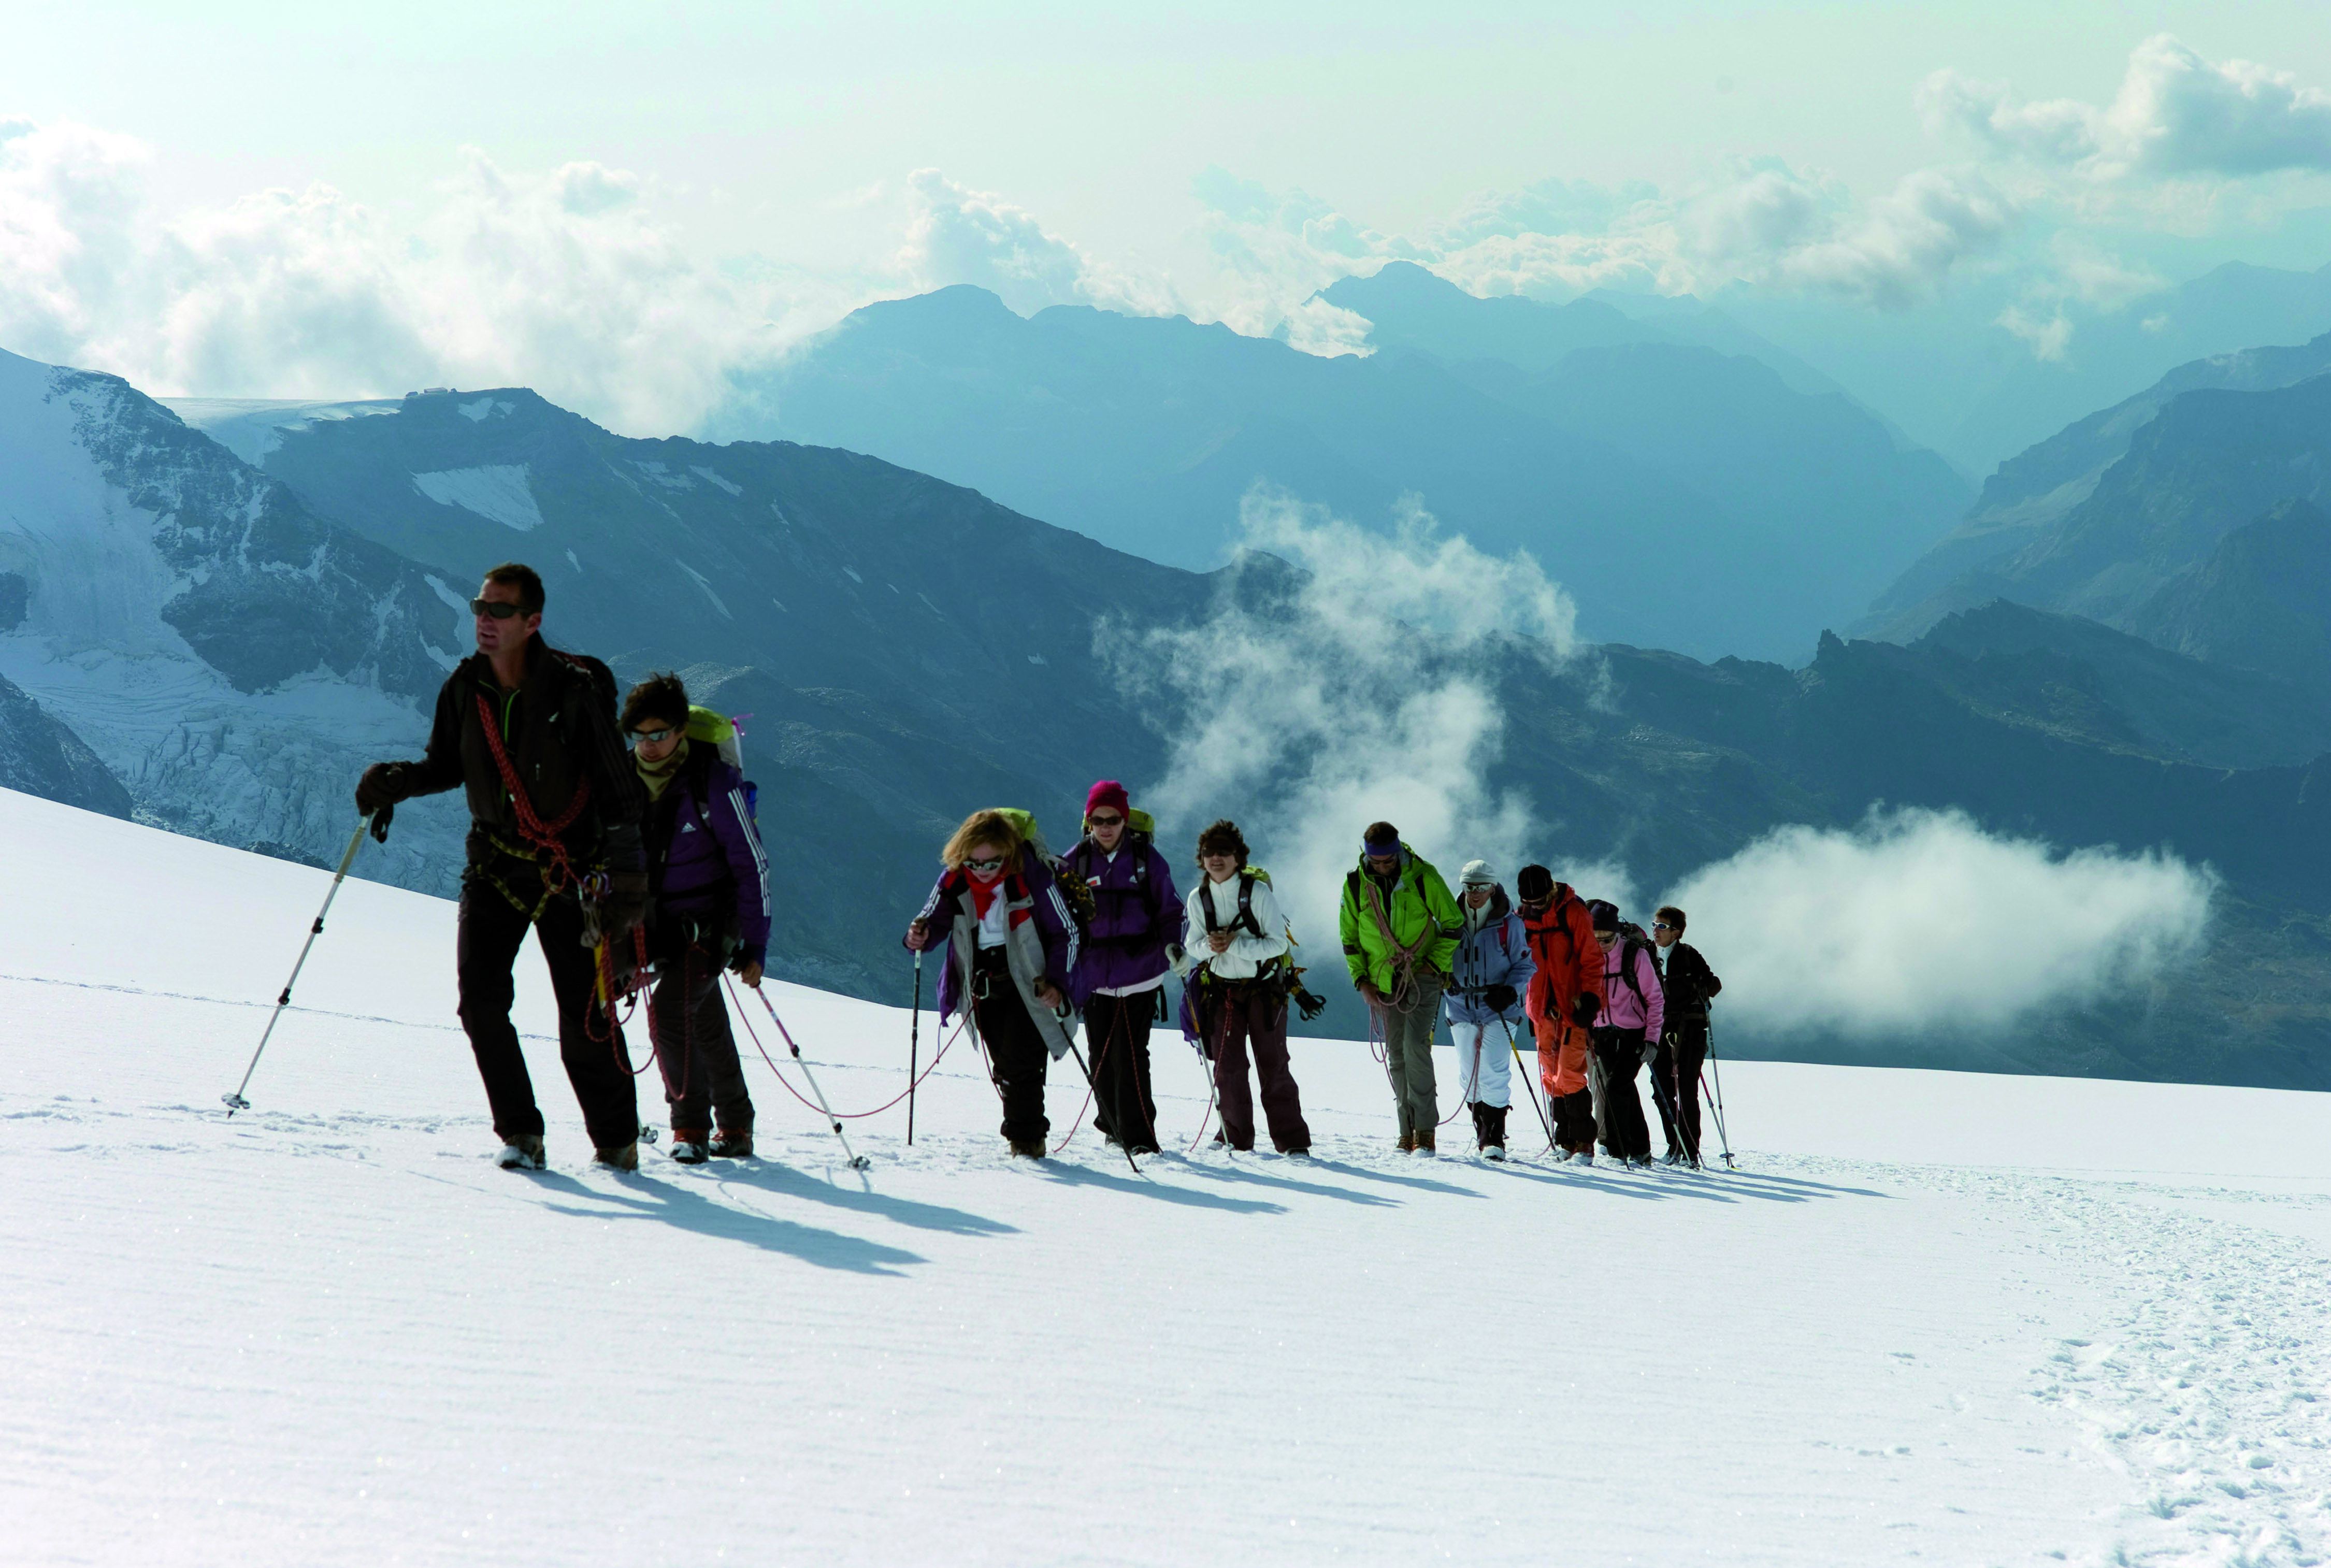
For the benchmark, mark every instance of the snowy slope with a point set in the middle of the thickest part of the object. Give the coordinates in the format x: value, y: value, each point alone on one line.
x: 234, y: 660
x: 1933, y: 1317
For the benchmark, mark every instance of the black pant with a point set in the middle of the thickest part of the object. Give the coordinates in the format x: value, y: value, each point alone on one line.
x: 1574, y: 1121
x: 1675, y: 1084
x: 1489, y: 1125
x: 1618, y: 1057
x: 703, y: 1082
x: 1253, y: 1016
x: 1015, y: 1050
x: 1116, y: 1047
x: 590, y: 1043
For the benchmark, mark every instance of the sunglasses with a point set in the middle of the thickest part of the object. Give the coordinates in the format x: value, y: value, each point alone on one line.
x: 991, y: 863
x: 499, y: 609
x: 651, y: 736
x: 1103, y: 822
x: 1663, y: 925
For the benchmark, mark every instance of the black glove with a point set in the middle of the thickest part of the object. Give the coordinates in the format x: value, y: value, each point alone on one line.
x: 1500, y: 998
x: 626, y: 907
x: 380, y: 821
x: 382, y: 786
x: 1582, y: 1009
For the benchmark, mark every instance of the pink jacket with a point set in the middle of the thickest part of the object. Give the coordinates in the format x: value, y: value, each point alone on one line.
x: 1642, y: 1005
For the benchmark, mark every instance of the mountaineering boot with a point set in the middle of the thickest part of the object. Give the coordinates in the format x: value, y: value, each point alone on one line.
x: 1425, y: 1141
x: 1586, y: 1157
x: 728, y: 1146
x: 1408, y: 1143
x: 1495, y: 1152
x: 1028, y: 1148
x: 626, y: 1158
x: 688, y: 1148
x: 520, y: 1154
x: 1562, y: 1155
x: 1672, y: 1157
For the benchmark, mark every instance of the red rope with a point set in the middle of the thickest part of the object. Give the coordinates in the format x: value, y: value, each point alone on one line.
x: 845, y: 1116
x: 541, y: 836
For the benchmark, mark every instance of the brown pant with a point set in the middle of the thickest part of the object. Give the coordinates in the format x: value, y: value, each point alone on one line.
x: 1255, y: 1014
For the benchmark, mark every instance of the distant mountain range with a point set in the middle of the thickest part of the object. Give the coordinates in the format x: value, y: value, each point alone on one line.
x: 1688, y: 497
x: 2188, y: 514
x: 1955, y: 377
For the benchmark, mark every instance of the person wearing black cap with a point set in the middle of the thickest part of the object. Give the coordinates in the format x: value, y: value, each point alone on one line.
x: 1563, y: 1000
x: 1634, y: 1012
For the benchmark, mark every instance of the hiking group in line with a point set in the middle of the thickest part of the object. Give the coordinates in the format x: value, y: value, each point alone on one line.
x: 1600, y: 999
x: 644, y: 872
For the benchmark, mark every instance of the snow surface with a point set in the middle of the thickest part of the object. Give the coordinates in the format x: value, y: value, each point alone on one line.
x: 1934, y: 1318
x: 498, y: 491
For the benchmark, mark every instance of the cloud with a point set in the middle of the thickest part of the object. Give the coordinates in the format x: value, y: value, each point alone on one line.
x: 1919, y: 921
x: 958, y: 236
x: 2047, y: 338
x: 2175, y: 116
x: 1764, y: 222
x: 1360, y: 689
x: 564, y: 282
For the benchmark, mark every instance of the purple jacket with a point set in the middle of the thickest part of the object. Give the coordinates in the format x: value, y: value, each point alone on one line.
x: 1136, y: 914
x: 1048, y: 910
x: 708, y: 861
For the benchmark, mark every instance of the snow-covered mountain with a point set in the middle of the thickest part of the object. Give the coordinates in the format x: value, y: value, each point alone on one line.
x: 231, y: 658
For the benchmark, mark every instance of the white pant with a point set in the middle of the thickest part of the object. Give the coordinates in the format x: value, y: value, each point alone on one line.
x: 1486, y: 1083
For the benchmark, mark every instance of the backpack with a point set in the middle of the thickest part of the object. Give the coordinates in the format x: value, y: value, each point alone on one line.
x: 1073, y: 891
x: 720, y: 733
x: 1247, y: 877
x: 1633, y: 939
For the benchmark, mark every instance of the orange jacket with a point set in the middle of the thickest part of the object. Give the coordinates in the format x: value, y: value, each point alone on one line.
x: 1569, y: 961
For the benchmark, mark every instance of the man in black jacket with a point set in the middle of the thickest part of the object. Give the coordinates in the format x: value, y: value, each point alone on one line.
x: 555, y: 811
x: 1675, y: 1070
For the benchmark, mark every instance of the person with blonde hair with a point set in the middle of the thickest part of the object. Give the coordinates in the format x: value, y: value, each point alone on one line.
x: 1011, y: 947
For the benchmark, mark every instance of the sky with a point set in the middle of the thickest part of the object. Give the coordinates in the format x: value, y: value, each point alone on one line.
x: 624, y: 205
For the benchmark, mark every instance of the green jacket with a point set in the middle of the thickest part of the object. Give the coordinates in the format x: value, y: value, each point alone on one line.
x: 1421, y: 903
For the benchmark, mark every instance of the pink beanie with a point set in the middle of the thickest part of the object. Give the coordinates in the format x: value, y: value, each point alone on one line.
x: 1107, y: 793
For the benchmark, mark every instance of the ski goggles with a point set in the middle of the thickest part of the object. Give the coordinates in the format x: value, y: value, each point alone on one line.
x: 650, y: 737
x: 499, y: 609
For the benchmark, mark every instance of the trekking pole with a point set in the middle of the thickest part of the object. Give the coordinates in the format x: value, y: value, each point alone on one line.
x: 1527, y: 1088
x: 1093, y: 1085
x: 1722, y: 1137
x: 858, y: 1161
x: 235, y: 1102
x: 914, y: 1045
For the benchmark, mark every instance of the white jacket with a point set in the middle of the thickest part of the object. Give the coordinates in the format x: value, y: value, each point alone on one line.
x: 1248, y: 951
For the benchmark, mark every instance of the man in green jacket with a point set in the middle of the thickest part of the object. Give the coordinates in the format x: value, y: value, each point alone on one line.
x: 1400, y: 927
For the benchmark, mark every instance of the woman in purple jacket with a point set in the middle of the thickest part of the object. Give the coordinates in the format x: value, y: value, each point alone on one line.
x: 708, y: 909
x: 1120, y: 973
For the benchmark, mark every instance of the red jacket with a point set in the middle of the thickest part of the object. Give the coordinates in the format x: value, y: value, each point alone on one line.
x: 1569, y: 961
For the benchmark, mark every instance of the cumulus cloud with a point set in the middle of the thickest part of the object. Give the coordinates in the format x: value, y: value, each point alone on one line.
x: 564, y: 281
x: 1919, y: 921
x: 1361, y: 690
x: 2175, y: 116
x: 958, y: 236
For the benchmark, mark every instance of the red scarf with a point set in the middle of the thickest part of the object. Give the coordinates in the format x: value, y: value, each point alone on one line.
x: 984, y: 894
